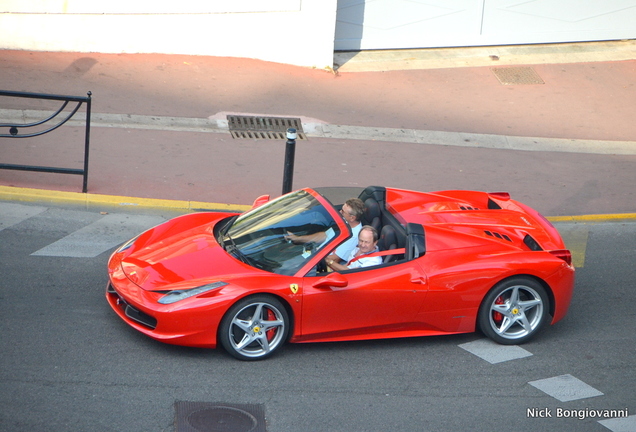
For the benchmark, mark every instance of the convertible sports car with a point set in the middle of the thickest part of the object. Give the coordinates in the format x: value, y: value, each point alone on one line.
x: 457, y: 262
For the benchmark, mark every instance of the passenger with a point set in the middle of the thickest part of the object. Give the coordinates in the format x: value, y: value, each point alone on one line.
x: 367, y: 244
x: 352, y: 212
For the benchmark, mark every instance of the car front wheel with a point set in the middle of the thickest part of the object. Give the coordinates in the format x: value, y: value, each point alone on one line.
x: 514, y: 311
x: 254, y: 328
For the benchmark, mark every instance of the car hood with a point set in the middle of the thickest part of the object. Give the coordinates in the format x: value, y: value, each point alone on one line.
x: 179, y: 254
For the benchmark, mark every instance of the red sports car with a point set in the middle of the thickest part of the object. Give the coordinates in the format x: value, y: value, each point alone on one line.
x: 451, y: 262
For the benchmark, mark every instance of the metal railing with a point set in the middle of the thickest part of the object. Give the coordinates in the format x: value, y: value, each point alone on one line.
x: 51, y: 123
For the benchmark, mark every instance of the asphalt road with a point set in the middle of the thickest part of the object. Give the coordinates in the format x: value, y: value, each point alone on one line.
x: 68, y: 363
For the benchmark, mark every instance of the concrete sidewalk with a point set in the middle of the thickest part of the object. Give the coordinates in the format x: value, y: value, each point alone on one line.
x: 159, y: 130
x: 510, y: 55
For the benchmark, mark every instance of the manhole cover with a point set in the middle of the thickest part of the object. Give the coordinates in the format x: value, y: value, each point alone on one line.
x: 219, y: 417
x: 263, y: 127
x: 517, y: 75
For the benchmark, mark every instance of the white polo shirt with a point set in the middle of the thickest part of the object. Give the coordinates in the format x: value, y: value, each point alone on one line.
x: 364, y: 261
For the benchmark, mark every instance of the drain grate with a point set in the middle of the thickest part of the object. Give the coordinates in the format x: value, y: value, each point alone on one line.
x: 219, y: 417
x: 517, y: 75
x: 263, y: 135
x: 263, y: 127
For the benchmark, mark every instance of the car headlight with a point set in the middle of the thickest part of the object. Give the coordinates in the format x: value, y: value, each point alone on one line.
x: 178, y: 295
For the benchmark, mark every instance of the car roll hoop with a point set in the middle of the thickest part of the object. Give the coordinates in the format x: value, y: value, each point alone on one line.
x: 415, y: 241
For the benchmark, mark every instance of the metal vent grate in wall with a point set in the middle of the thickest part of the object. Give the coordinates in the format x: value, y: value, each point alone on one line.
x: 263, y: 127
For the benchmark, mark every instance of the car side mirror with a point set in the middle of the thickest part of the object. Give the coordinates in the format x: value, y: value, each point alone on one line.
x: 260, y: 201
x: 332, y: 280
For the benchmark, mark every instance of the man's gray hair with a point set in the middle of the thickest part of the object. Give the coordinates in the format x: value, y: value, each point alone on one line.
x: 373, y: 231
x: 357, y: 207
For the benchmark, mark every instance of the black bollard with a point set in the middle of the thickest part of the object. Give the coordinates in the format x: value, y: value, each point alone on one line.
x: 290, y: 152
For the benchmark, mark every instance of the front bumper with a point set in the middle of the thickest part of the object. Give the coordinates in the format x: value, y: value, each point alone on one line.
x: 194, y: 326
x: 128, y: 311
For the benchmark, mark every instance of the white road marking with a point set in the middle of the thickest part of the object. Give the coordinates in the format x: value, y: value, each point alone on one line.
x: 98, y: 237
x: 12, y: 214
x: 493, y: 352
x: 566, y: 388
x: 625, y: 424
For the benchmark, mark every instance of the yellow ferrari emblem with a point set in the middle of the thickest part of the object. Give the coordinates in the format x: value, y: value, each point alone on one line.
x: 293, y: 288
x: 515, y: 311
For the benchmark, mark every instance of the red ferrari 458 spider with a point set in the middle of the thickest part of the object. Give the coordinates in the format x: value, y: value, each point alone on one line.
x: 451, y: 262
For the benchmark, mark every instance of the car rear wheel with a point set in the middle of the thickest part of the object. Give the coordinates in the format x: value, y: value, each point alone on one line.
x: 254, y: 328
x: 514, y: 311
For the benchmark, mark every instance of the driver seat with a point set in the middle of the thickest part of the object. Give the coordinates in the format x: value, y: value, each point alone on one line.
x: 372, y: 214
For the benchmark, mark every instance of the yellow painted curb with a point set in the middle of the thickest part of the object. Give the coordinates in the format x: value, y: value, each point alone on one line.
x: 592, y: 218
x: 40, y: 195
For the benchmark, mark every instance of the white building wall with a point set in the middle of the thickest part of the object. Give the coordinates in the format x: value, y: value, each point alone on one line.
x: 399, y: 24
x: 298, y: 32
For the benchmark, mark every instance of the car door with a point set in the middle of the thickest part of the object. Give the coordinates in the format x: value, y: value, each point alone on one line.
x: 367, y: 303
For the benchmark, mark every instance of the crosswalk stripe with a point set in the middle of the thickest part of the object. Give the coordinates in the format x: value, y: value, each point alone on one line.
x: 624, y: 424
x: 12, y: 214
x: 565, y: 388
x: 98, y: 237
x: 493, y: 352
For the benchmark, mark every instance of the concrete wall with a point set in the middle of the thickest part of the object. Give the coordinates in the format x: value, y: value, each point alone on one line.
x: 298, y: 32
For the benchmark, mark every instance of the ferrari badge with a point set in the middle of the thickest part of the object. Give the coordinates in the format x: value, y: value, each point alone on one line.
x: 293, y: 288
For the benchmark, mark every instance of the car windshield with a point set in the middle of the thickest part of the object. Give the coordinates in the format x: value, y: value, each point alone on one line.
x: 258, y: 237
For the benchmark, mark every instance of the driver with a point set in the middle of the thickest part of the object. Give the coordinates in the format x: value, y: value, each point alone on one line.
x: 367, y: 244
x: 352, y: 211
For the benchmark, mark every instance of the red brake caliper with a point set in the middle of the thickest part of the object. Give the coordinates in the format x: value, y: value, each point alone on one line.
x: 272, y: 332
x: 497, y: 316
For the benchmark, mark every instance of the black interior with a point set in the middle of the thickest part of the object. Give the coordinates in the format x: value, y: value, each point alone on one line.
x: 393, y: 235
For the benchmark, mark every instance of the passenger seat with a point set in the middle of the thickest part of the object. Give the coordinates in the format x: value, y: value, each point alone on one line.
x: 388, y: 240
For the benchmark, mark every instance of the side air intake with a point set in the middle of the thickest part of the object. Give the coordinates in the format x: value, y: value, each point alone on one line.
x: 532, y: 243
